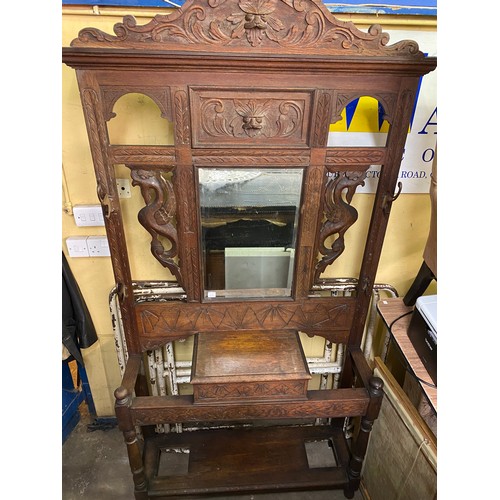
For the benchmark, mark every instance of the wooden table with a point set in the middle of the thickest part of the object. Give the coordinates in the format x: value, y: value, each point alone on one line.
x: 392, y: 311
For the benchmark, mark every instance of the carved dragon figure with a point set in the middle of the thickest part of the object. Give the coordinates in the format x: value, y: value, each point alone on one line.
x: 340, y: 215
x: 156, y: 217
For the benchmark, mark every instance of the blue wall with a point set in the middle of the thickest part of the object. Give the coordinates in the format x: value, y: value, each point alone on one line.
x: 401, y: 7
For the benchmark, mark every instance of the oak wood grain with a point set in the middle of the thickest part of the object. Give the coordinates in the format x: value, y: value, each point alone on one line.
x: 396, y: 316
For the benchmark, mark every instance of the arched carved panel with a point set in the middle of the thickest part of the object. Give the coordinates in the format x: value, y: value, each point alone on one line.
x: 138, y: 116
x: 111, y: 94
x: 342, y: 98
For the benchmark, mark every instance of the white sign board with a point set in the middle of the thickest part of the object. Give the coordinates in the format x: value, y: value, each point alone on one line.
x: 362, y: 125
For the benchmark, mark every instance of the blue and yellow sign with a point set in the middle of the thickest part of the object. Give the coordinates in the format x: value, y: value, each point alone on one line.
x: 363, y: 124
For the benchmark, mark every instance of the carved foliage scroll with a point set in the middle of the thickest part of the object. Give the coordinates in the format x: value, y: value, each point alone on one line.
x: 339, y: 214
x: 252, y: 118
x: 256, y: 24
x: 241, y: 117
x: 181, y: 118
x: 157, y: 217
x: 323, y: 112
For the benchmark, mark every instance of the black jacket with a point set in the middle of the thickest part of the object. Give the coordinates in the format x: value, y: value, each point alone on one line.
x: 78, y: 330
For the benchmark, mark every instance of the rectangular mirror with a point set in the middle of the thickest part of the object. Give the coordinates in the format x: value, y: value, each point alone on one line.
x: 249, y: 221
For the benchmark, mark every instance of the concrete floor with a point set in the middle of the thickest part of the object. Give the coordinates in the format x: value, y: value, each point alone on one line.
x: 95, y: 467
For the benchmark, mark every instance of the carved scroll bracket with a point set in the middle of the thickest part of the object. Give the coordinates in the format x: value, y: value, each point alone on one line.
x: 340, y: 215
x: 157, y: 216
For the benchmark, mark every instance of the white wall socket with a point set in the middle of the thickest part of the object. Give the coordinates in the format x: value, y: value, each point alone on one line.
x: 88, y: 246
x: 88, y: 215
x: 98, y: 246
x: 77, y: 246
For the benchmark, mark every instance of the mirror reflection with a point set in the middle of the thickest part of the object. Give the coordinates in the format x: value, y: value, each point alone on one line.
x: 249, y: 220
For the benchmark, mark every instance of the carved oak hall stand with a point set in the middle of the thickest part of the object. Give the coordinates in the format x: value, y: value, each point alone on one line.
x: 246, y: 210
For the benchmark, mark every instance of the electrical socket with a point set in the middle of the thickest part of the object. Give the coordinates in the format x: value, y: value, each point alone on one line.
x: 88, y: 215
x: 98, y: 246
x: 77, y: 246
x: 123, y: 186
x: 88, y: 246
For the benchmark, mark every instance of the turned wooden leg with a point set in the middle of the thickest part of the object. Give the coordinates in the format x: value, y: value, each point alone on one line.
x: 126, y: 425
x: 360, y: 444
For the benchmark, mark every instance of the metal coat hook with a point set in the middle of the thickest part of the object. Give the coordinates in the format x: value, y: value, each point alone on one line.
x: 389, y: 199
x: 121, y: 292
x: 106, y: 201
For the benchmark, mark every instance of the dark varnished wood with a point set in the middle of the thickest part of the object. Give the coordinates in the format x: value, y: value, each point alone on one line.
x: 248, y: 366
x: 148, y: 410
x: 324, y: 316
x: 157, y: 216
x: 246, y: 85
x: 224, y: 461
x: 340, y: 215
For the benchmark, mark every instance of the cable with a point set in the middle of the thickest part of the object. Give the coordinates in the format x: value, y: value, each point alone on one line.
x: 397, y: 319
x: 409, y: 370
x: 411, y: 469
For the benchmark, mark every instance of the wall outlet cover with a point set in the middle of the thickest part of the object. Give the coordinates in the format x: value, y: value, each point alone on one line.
x: 123, y: 186
x: 77, y: 246
x: 88, y: 215
x: 98, y: 246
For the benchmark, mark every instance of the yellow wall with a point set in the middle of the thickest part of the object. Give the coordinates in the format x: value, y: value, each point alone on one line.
x: 401, y: 258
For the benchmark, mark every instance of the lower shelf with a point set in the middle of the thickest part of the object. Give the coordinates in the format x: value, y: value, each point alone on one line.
x: 256, y: 459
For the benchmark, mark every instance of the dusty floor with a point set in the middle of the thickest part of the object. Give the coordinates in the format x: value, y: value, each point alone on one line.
x: 95, y: 467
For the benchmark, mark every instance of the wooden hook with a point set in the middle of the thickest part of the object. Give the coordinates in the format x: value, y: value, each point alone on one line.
x: 389, y: 199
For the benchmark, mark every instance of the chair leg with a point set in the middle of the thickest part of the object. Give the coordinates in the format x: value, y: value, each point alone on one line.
x: 136, y: 466
x: 127, y: 426
x: 419, y: 285
x: 360, y: 444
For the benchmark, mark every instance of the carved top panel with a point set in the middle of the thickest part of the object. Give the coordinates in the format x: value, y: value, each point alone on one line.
x: 259, y: 26
x: 248, y: 117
